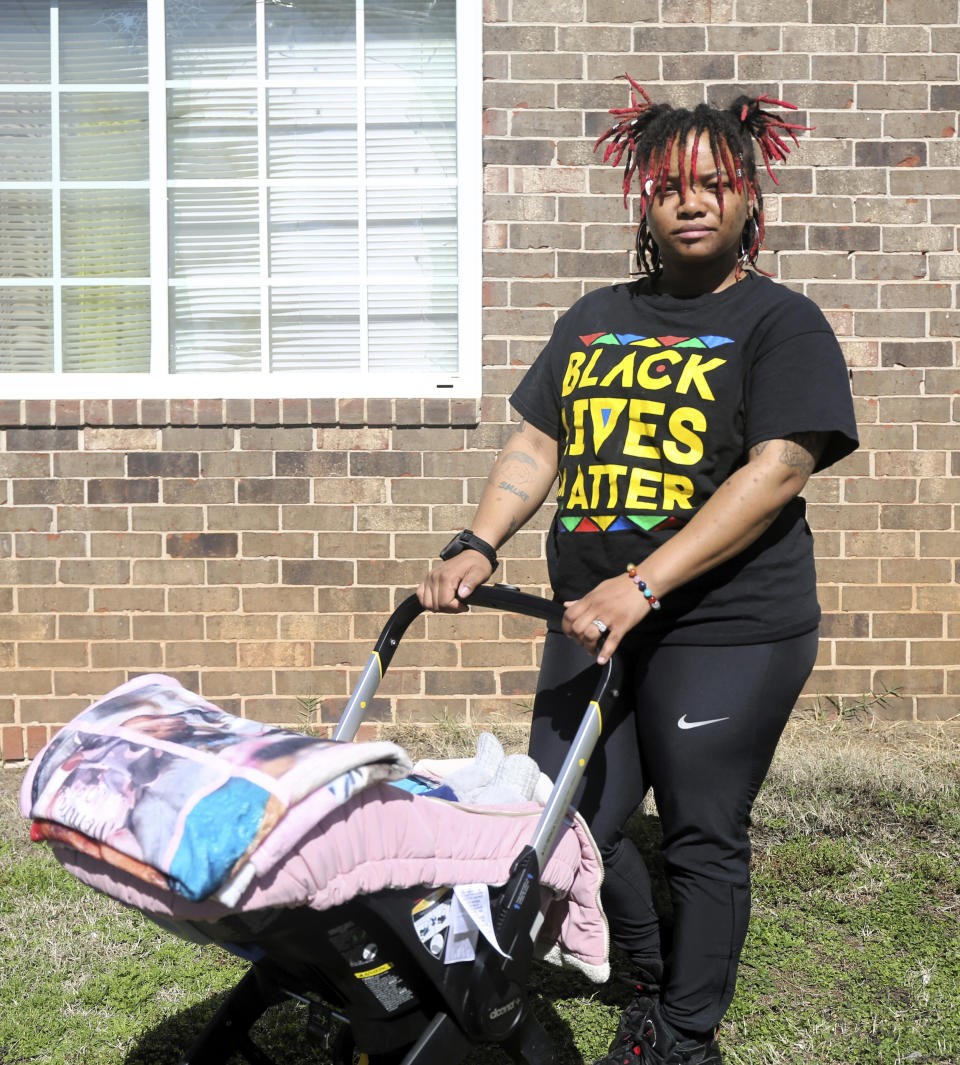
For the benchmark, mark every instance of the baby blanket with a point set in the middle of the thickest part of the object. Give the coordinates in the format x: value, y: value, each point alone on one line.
x: 386, y: 838
x: 156, y: 780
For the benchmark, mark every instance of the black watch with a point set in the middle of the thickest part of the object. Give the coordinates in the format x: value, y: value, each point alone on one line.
x: 464, y: 540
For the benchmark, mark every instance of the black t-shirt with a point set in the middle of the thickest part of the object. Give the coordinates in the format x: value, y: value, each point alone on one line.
x: 654, y: 401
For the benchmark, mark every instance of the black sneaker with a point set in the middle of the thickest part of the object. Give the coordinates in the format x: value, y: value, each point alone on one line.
x: 660, y: 1044
x: 654, y: 1042
x: 632, y: 1021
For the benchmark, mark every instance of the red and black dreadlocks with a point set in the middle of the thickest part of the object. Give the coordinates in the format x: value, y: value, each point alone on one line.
x: 644, y: 136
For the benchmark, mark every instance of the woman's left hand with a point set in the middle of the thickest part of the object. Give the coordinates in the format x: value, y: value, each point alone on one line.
x: 615, y: 603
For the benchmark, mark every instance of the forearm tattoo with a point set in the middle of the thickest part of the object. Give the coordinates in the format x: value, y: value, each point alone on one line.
x: 512, y: 488
x: 514, y: 472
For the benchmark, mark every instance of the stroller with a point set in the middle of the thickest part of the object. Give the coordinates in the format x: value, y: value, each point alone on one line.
x: 374, y: 990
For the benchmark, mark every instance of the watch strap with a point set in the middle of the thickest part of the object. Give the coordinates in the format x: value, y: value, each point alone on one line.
x: 466, y: 540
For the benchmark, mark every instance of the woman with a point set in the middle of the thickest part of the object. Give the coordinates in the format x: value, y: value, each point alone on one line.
x: 684, y: 413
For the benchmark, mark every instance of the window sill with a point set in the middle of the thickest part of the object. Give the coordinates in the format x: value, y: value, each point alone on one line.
x: 76, y: 413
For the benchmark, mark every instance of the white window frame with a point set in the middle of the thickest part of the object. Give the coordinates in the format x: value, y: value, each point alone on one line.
x: 160, y: 383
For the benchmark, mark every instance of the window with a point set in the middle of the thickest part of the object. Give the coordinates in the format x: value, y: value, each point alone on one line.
x: 216, y: 198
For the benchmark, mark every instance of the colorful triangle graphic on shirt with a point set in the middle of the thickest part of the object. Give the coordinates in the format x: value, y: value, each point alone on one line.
x: 646, y: 521
x: 636, y: 340
x: 618, y: 522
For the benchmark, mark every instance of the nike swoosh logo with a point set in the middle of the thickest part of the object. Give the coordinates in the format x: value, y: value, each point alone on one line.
x: 684, y: 723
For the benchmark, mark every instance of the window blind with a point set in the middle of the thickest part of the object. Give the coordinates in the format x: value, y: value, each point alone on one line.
x: 309, y: 213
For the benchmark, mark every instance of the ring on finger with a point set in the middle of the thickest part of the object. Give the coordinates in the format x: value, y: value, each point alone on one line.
x: 600, y: 625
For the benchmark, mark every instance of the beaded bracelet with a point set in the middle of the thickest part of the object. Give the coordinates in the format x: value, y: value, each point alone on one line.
x: 642, y: 585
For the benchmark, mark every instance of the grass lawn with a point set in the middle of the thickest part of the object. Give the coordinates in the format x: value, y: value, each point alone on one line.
x: 853, y: 956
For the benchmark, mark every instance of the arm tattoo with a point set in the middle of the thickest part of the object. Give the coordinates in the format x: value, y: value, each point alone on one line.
x: 518, y: 466
x: 507, y: 487
x: 516, y: 470
x: 799, y: 451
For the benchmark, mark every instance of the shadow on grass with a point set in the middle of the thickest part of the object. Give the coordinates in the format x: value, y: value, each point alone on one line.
x: 564, y: 1002
x: 281, y: 1033
x: 166, y: 1042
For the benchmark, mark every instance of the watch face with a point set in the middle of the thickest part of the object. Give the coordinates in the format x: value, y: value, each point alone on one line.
x: 455, y: 546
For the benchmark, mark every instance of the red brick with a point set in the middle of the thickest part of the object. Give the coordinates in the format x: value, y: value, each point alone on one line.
x: 178, y: 438
x: 37, y: 737
x: 167, y: 571
x: 11, y: 412
x: 128, y: 490
x: 319, y: 572
x: 322, y: 463
x: 247, y: 516
x: 163, y: 464
x: 201, y: 545
x: 93, y: 626
x: 238, y: 411
x: 274, y: 544
x: 323, y: 411
x: 938, y: 708
x: 215, y: 600
x: 207, y: 653
x: 183, y: 412
x: 285, y: 490
x: 240, y: 571
x: 42, y: 439
x: 210, y: 411
x: 11, y: 744
x: 125, y: 545
x: 40, y: 491
x: 168, y: 627
x: 153, y: 412
x: 142, y: 656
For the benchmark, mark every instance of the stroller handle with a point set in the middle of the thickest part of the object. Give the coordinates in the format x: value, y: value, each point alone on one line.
x: 507, y: 598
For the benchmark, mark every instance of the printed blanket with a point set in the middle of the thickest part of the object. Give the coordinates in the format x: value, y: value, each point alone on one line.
x: 155, y: 780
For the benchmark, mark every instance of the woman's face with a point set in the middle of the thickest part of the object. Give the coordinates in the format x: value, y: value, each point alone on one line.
x: 689, y: 229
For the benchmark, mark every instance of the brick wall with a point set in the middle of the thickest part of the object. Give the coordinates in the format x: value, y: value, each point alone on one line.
x: 254, y: 549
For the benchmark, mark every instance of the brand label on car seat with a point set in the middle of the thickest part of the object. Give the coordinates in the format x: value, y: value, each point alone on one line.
x: 431, y: 920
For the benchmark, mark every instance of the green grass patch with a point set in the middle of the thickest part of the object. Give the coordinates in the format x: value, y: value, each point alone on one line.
x: 853, y: 954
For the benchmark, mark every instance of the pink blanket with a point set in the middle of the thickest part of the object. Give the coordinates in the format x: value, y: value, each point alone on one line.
x: 383, y: 837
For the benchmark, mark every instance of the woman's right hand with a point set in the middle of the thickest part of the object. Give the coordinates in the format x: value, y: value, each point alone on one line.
x: 451, y: 582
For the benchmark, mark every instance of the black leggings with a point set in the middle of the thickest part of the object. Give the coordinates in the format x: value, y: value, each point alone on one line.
x: 699, y: 725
